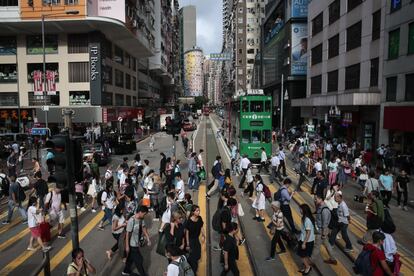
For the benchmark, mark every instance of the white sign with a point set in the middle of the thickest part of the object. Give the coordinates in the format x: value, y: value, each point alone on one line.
x: 107, y: 8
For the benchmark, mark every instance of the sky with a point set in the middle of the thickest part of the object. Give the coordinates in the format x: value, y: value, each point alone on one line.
x: 209, y: 24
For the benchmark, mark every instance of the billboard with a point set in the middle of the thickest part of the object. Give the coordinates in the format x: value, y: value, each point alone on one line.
x: 107, y: 8
x: 95, y: 72
x: 299, y: 49
x: 299, y: 8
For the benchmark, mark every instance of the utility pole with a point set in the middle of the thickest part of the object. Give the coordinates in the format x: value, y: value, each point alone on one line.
x: 281, y: 105
x: 67, y: 117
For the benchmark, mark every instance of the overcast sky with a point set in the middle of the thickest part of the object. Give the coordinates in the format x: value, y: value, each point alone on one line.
x: 209, y: 23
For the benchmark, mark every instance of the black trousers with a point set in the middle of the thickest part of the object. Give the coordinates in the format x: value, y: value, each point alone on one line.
x: 277, y: 239
x: 79, y: 199
x: 135, y: 257
x: 287, y: 213
x: 263, y: 165
x: 301, y: 180
x: 241, y: 184
x: 400, y: 194
x: 386, y: 197
x: 283, y: 166
x: 249, y: 189
x: 232, y: 267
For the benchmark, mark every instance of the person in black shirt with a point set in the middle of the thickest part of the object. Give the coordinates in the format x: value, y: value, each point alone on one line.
x: 402, y: 189
x: 230, y: 250
x: 40, y: 188
x: 320, y: 185
x: 175, y: 230
x: 163, y: 164
x: 193, y: 229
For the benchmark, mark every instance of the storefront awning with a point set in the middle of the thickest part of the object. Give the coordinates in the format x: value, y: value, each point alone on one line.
x: 399, y: 118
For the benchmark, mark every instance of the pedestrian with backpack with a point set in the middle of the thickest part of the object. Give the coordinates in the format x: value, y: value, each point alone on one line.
x: 284, y: 196
x: 276, y: 228
x: 107, y: 201
x: 302, y: 171
x: 230, y: 250
x: 40, y: 188
x: 375, y: 216
x: 371, y: 261
x: 53, y: 204
x: 344, y: 219
x: 259, y: 204
x: 217, y: 173
x: 16, y: 198
x: 179, y: 265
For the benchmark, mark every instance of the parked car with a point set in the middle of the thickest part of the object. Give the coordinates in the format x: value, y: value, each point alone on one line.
x: 97, y: 151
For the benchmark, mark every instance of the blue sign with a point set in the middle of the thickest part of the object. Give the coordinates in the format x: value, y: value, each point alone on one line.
x: 299, y: 59
x: 40, y: 131
x: 299, y: 8
x: 395, y: 5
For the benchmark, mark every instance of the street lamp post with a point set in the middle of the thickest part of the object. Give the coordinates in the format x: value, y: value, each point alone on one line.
x: 45, y: 108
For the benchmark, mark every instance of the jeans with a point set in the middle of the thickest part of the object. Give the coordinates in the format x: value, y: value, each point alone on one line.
x: 275, y: 174
x: 232, y: 267
x: 11, y: 205
x: 386, y: 197
x: 405, y: 194
x: 135, y: 257
x: 107, y: 216
x: 193, y: 181
x: 343, y: 227
x: 277, y: 239
x: 287, y: 213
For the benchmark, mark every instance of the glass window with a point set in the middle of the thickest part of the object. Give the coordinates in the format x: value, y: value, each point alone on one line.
x: 256, y: 136
x: 78, y: 43
x: 40, y: 100
x: 245, y: 136
x: 119, y: 78
x: 34, y: 44
x: 78, y: 71
x: 127, y: 81
x: 409, y: 84
x: 119, y: 55
x: 353, y: 36
x: 374, y: 72
x: 8, y: 3
x: 317, y: 24
x: 334, y: 11
x: 256, y: 106
x: 119, y: 99
x: 411, y: 39
x: 316, y: 84
x: 268, y: 106
x: 376, y: 25
x: 107, y: 70
x: 245, y: 106
x: 352, y: 75
x: 394, y: 44
x: 128, y: 100
x: 333, y: 81
x: 8, y: 99
x: 333, y: 46
x: 267, y: 136
x: 391, y: 89
x: 395, y: 5
x: 79, y: 98
x: 134, y: 83
x: 31, y: 67
x: 107, y: 98
x: 8, y: 45
x: 353, y: 4
x: 8, y: 73
x: 317, y: 54
x: 134, y: 101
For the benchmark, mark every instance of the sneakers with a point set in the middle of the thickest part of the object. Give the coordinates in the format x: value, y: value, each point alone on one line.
x: 24, y: 222
x: 405, y: 208
x: 332, y: 262
x: 216, y: 248
x: 348, y: 250
x: 242, y: 241
x: 400, y: 206
x: 46, y: 248
x: 93, y: 210
x: 101, y: 228
x: 77, y: 207
x: 124, y: 273
x: 270, y: 259
x: 31, y: 249
x: 155, y: 219
x: 61, y: 236
x: 83, y: 209
x: 6, y: 222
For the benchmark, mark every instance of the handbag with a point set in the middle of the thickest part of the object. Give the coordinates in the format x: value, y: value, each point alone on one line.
x: 240, y: 211
x: 146, y: 200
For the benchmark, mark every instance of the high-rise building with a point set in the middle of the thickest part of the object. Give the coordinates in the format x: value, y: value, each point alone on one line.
x: 193, y: 72
x: 397, y: 97
x: 212, y: 80
x: 345, y: 60
x: 92, y: 61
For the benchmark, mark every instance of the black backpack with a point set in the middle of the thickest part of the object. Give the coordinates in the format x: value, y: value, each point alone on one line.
x: 216, y: 221
x: 213, y: 170
x: 278, y: 195
x: 99, y: 198
x: 21, y: 195
x: 362, y: 264
x: 388, y: 226
x: 5, y: 184
x: 163, y: 205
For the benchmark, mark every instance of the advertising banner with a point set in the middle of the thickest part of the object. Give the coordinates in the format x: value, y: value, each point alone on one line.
x: 299, y: 49
x: 37, y: 83
x: 107, y: 8
x: 299, y: 8
x: 95, y: 73
x: 51, y: 82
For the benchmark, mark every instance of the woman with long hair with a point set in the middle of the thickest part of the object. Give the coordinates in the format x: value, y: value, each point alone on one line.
x: 260, y: 201
x: 108, y: 199
x: 80, y: 265
x: 138, y: 165
x: 118, y: 226
x: 33, y: 221
x: 307, y: 238
x: 193, y: 229
x: 176, y: 231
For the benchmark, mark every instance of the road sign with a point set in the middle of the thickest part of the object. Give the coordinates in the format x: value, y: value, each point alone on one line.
x: 120, y: 119
x: 40, y: 131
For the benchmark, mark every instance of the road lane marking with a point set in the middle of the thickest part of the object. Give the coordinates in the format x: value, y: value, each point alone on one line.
x: 202, y: 266
x: 67, y: 249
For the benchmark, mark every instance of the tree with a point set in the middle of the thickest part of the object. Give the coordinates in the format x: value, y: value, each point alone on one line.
x: 200, y: 102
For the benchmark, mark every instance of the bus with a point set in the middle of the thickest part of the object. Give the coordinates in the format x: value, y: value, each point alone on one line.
x: 255, y: 125
x: 206, y: 111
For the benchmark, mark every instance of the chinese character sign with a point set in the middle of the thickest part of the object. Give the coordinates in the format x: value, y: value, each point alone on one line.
x: 37, y: 83
x: 51, y: 82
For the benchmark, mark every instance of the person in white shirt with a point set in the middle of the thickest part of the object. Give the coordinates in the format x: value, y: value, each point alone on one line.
x: 108, y: 173
x: 275, y: 162
x: 263, y: 161
x: 318, y: 166
x: 244, y: 165
x: 282, y: 158
x: 108, y: 204
x: 33, y: 220
x: 200, y: 159
x: 179, y: 187
x: 53, y: 203
x: 328, y: 150
x: 173, y: 254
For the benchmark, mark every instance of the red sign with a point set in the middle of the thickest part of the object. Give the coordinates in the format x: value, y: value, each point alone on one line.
x: 51, y: 82
x: 398, y: 118
x: 131, y: 113
x: 37, y: 83
x: 104, y: 115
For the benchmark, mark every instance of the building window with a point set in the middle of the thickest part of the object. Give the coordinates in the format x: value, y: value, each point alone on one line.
x: 409, y: 84
x: 240, y: 20
x: 134, y: 83
x: 51, y: 2
x: 8, y: 45
x: 9, y: 99
x: 391, y: 89
x: 333, y: 81
x: 8, y: 3
x: 250, y: 51
x: 128, y: 81
x: 119, y: 78
x: 374, y: 72
x: 352, y: 75
x: 316, y: 85
x: 317, y: 24
x: 317, y: 54
x: 376, y: 25
x: 107, y: 98
x: 79, y: 98
x: 410, y: 39
x: 395, y: 5
x: 134, y: 101
x: 78, y: 71
x: 333, y: 46
x: 78, y: 43
x: 40, y: 100
x: 107, y: 74
x: 353, y: 36
x: 32, y: 67
x: 34, y: 44
x: 8, y: 73
x: 119, y: 99
x: 71, y: 2
x: 128, y: 100
x: 240, y: 30
x: 352, y: 4
x: 118, y: 55
x: 394, y: 44
x: 334, y: 11
x: 250, y: 61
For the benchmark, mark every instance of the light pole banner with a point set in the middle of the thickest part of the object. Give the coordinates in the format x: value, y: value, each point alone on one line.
x: 51, y: 82
x: 37, y: 83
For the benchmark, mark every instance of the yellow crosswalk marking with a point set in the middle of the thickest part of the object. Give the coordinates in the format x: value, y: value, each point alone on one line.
x: 202, y: 266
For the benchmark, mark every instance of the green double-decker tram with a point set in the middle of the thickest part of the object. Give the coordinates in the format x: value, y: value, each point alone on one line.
x: 255, y: 126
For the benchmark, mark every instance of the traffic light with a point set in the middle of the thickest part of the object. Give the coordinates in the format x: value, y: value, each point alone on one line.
x: 59, y: 147
x: 77, y: 159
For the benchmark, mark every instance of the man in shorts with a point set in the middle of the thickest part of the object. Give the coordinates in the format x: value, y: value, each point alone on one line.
x: 53, y: 202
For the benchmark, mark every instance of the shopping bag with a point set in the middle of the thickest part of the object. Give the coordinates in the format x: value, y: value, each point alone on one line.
x: 146, y: 200
x: 240, y: 211
x: 202, y: 174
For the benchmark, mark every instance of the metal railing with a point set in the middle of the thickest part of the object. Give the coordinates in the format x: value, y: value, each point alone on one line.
x: 45, y: 266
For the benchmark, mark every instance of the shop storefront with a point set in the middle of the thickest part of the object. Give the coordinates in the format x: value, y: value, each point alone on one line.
x: 399, y: 121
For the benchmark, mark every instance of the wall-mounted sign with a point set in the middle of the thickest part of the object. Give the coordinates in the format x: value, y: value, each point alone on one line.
x: 95, y: 73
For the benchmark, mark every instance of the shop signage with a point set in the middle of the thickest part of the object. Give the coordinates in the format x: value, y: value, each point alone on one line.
x: 95, y: 75
x: 104, y: 115
x: 12, y: 114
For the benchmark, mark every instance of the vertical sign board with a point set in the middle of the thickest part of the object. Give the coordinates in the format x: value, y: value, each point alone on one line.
x: 95, y: 73
x: 299, y: 47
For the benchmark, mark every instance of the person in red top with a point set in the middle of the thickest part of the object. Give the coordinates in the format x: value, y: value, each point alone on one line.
x: 367, y: 157
x: 378, y: 262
